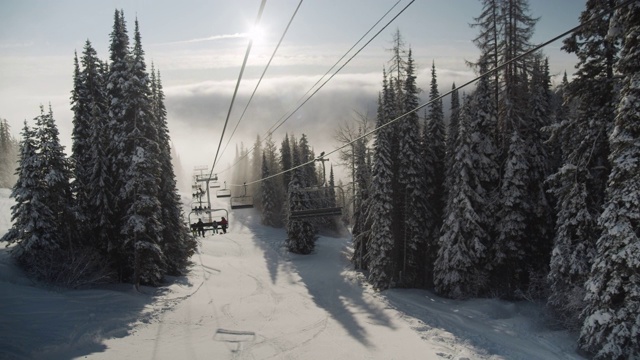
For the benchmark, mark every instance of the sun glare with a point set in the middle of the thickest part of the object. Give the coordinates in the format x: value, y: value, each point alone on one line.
x: 257, y: 34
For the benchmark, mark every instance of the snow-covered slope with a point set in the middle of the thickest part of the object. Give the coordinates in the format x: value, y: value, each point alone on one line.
x: 247, y: 298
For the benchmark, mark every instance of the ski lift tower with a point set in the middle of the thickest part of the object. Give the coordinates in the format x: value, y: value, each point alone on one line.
x: 201, y: 176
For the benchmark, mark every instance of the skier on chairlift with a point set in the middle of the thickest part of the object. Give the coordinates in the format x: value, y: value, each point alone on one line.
x: 200, y: 227
x: 223, y: 224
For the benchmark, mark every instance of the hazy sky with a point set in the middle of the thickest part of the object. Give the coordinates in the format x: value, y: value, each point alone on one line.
x: 198, y: 46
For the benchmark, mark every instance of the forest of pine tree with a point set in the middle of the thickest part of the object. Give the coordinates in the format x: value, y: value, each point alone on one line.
x: 532, y: 193
x: 111, y: 211
x: 290, y: 181
x: 525, y: 192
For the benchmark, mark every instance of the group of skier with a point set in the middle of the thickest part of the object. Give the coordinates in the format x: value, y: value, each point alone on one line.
x: 199, y: 227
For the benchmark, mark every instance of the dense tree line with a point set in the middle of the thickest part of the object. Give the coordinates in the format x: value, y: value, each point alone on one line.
x: 8, y: 155
x: 531, y: 193
x: 111, y: 211
x: 289, y: 181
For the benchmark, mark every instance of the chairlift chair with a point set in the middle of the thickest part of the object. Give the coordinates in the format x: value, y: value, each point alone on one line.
x: 223, y: 193
x: 209, y: 216
x: 319, y: 211
x: 308, y: 213
x: 198, y: 207
x: 242, y: 202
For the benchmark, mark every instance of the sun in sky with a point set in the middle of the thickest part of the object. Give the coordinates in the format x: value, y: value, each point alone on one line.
x: 257, y: 33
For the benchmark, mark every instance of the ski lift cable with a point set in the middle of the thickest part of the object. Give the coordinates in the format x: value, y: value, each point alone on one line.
x: 272, y: 129
x: 281, y: 121
x: 235, y: 91
x: 487, y: 73
x: 341, y: 67
x: 261, y: 76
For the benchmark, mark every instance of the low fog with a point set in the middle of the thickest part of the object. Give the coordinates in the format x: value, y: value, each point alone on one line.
x: 197, y: 112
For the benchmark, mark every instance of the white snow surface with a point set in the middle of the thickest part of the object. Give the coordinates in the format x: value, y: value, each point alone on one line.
x: 247, y: 298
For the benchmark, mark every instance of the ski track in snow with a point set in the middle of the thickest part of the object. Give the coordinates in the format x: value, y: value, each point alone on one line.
x: 246, y: 297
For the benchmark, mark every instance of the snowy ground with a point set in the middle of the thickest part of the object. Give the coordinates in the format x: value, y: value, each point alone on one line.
x: 247, y: 298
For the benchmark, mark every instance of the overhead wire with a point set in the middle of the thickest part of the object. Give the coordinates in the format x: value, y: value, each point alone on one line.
x: 271, y: 129
x: 281, y: 121
x: 487, y: 73
x: 235, y: 91
x: 343, y: 65
x: 261, y: 76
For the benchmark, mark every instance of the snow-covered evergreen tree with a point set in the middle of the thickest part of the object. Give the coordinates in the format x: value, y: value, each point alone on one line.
x: 579, y: 184
x: 459, y: 267
x: 285, y: 160
x: 300, y: 232
x: 434, y: 157
x: 177, y: 244
x: 89, y: 108
x: 594, y: 89
x: 331, y: 195
x: 541, y: 219
x: 510, y: 224
x: 452, y: 139
x: 381, y: 265
x: 309, y: 176
x: 31, y: 217
x: 574, y: 245
x: 361, y: 230
x: 484, y: 155
x: 141, y: 229
x: 516, y: 27
x: 514, y: 30
x: 434, y: 139
x: 411, y: 182
x: 118, y: 131
x: 100, y: 217
x: 508, y: 250
x: 278, y: 193
x: 256, y: 171
x: 558, y: 112
x: 611, y: 328
x: 56, y: 174
x: 42, y: 213
x: 269, y: 184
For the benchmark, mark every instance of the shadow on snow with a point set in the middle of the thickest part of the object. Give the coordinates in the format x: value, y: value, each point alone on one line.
x: 67, y: 323
x: 323, y: 274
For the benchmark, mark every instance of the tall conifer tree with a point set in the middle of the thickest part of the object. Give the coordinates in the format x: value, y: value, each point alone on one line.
x: 411, y: 181
x: 434, y: 157
x: 381, y: 266
x: 269, y: 215
x: 459, y: 268
x: 300, y: 232
x: 119, y: 110
x: 176, y: 243
x: 29, y: 208
x: 579, y: 184
x: 361, y: 230
x: 612, y: 325
x: 56, y: 174
x: 90, y: 112
x: 141, y: 229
